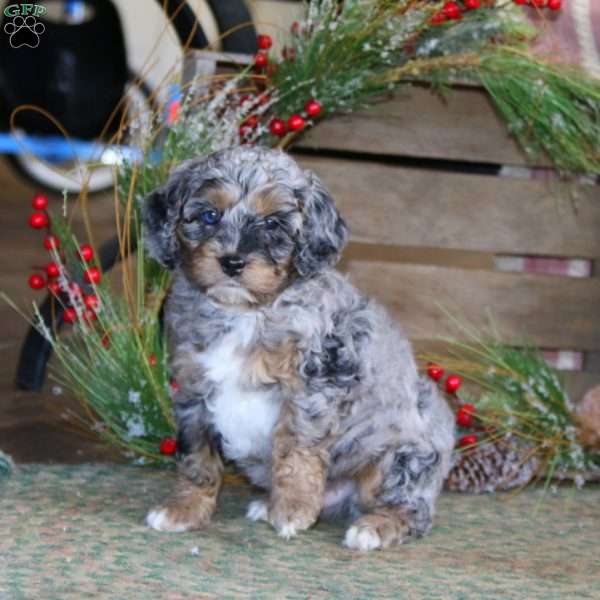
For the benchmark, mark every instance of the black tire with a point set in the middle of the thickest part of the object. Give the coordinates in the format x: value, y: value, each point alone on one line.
x: 228, y: 14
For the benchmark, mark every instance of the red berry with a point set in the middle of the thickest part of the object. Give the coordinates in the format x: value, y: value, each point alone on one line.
x: 554, y: 4
x: 54, y: 287
x: 245, y: 130
x: 40, y: 202
x: 38, y: 220
x: 261, y: 59
x: 472, y: 4
x: 152, y: 360
x: 244, y: 98
x: 464, y: 415
x: 453, y: 383
x: 70, y: 315
x: 467, y: 440
x: 464, y: 419
x: 435, y: 372
x: 92, y: 275
x: 91, y: 301
x: 295, y: 123
x: 86, y: 252
x: 105, y: 340
x: 295, y: 27
x: 437, y: 18
x: 52, y: 269
x: 51, y: 243
x: 312, y: 108
x: 168, y: 445
x: 37, y: 282
x: 277, y: 127
x: 264, y: 42
x: 264, y: 99
x: 174, y: 386
x: 470, y: 408
x: 451, y: 10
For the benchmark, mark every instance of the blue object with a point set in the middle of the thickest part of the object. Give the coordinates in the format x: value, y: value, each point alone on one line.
x: 56, y: 149
x: 74, y: 11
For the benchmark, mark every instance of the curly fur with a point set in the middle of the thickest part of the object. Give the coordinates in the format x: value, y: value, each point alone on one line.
x: 285, y: 368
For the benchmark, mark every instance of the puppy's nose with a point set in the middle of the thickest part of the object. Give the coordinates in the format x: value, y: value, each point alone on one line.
x: 232, y: 264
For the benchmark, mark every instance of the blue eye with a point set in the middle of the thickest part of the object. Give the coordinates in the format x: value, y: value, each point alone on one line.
x: 210, y: 217
x: 271, y: 223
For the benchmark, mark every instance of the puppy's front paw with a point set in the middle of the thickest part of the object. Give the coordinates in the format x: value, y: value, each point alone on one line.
x: 363, y: 538
x: 289, y: 517
x: 286, y: 517
x: 179, y: 517
x: 164, y: 519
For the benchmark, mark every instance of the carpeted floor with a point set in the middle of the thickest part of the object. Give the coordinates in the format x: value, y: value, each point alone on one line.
x: 76, y: 532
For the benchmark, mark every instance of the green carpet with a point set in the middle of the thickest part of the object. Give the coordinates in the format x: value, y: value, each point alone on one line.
x: 77, y: 532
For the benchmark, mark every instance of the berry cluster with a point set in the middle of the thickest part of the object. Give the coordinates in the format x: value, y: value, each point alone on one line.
x: 54, y: 276
x: 278, y: 126
x: 453, y: 11
x: 296, y: 122
x: 466, y: 412
x: 549, y: 4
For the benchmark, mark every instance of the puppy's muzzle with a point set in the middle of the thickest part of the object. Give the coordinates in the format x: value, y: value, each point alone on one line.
x: 232, y: 264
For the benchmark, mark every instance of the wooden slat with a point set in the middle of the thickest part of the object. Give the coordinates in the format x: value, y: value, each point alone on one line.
x: 413, y: 207
x: 539, y: 309
x: 463, y: 126
x: 463, y: 259
x: 578, y: 383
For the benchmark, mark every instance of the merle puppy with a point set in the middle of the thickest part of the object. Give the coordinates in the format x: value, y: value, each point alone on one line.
x: 283, y: 366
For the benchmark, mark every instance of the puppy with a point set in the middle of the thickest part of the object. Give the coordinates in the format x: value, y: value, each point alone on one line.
x: 283, y: 366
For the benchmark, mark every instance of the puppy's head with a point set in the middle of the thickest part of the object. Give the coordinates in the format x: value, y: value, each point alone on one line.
x: 243, y: 223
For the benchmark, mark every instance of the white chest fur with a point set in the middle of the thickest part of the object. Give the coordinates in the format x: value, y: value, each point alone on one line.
x: 243, y: 415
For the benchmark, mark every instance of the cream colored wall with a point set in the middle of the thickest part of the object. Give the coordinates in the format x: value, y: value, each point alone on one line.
x: 152, y: 45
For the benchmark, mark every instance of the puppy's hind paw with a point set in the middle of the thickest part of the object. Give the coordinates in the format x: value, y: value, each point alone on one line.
x: 362, y: 538
x: 258, y: 510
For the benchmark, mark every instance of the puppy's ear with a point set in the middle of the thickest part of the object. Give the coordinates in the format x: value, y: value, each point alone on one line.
x: 324, y: 233
x: 159, y: 215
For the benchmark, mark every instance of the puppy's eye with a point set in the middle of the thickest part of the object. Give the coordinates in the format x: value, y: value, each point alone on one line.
x: 210, y: 216
x: 271, y: 223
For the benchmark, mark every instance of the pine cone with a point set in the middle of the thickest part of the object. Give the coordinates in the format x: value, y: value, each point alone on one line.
x: 588, y: 419
x: 492, y: 466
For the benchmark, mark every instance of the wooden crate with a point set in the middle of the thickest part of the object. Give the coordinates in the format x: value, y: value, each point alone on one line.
x: 416, y: 179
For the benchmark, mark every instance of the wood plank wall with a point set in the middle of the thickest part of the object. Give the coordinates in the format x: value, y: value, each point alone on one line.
x: 419, y: 182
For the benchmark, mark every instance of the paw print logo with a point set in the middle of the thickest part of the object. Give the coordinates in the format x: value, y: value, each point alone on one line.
x: 24, y: 31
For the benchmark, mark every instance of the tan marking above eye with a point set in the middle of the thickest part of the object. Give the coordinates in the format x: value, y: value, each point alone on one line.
x: 221, y: 197
x: 270, y: 200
